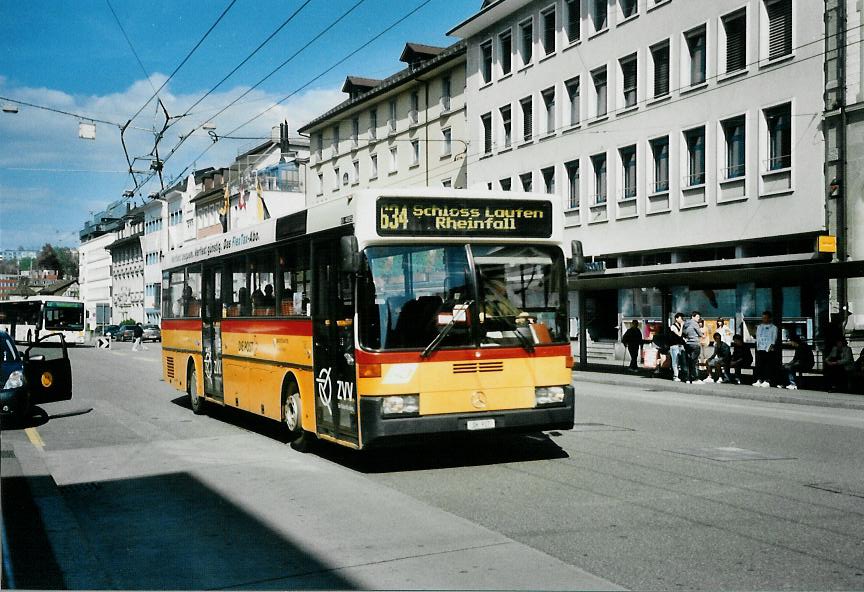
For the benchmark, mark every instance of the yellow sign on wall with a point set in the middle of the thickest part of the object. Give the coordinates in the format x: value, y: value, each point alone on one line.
x: 827, y: 244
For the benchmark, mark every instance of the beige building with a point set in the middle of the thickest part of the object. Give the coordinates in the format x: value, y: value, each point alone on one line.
x: 408, y: 129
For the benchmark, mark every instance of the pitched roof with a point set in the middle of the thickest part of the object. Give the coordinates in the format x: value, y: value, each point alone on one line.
x: 58, y: 287
x: 418, y: 51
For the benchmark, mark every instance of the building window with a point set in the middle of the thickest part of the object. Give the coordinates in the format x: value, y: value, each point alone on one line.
x: 355, y: 131
x: 506, y: 184
x: 778, y: 120
x: 572, y: 169
x: 734, y: 133
x: 486, y: 61
x: 660, y: 59
x: 599, y: 9
x: 346, y: 179
x: 392, y: 120
x: 549, y: 179
x: 695, y: 40
x: 486, y: 124
x: 660, y: 155
x: 415, y: 152
x: 506, y: 126
x: 548, y: 19
x: 527, y: 119
x: 628, y: 172
x: 356, y: 165
x: 335, y: 132
x: 373, y: 124
x: 394, y: 162
x: 598, y: 161
x: 574, y: 20
x: 526, y: 179
x: 505, y: 51
x: 319, y: 144
x: 629, y: 8
x: 338, y: 174
x: 735, y: 29
x: 779, y: 28
x: 445, y: 93
x: 414, y: 113
x: 695, y: 140
x: 373, y: 166
x: 599, y: 78
x: 320, y: 183
x: 447, y: 183
x: 447, y: 142
x: 628, y: 76
x: 549, y: 103
x: 573, y: 100
x: 526, y: 41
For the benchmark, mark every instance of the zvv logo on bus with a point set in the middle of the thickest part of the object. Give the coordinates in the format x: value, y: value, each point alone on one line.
x: 344, y: 389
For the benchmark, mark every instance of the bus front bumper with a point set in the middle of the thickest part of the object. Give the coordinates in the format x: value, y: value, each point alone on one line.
x: 375, y: 429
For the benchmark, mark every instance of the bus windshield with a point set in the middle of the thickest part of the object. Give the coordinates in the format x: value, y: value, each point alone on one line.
x: 486, y: 295
x: 64, y: 316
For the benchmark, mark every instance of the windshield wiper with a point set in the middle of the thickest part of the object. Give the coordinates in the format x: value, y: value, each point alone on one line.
x: 526, y: 343
x: 445, y: 330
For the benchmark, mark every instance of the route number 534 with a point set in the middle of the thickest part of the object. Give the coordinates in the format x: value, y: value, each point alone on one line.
x: 394, y: 218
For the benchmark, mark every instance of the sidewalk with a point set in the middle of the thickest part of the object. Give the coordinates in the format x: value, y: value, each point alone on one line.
x: 773, y: 394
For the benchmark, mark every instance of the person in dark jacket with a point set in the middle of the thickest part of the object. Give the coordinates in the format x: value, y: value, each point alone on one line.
x: 718, y: 363
x: 632, y: 339
x: 802, y: 361
x: 741, y: 357
x: 691, y: 333
x: 137, y: 334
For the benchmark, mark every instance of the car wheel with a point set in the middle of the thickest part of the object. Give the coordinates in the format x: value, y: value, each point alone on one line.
x: 196, y: 401
x: 292, y: 416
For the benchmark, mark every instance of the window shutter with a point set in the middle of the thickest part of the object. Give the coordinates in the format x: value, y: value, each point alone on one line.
x: 661, y: 71
x: 487, y: 133
x: 779, y: 29
x: 628, y: 68
x: 736, y: 43
x: 527, y: 120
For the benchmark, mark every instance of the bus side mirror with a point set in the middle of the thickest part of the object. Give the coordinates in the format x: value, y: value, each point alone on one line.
x: 577, y: 262
x: 350, y: 254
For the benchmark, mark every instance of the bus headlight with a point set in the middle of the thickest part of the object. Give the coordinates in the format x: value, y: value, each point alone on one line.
x: 15, y: 380
x: 548, y: 395
x: 400, y: 405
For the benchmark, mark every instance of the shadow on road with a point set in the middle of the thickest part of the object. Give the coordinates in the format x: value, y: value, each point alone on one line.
x: 39, y: 417
x: 241, y: 419
x: 175, y: 532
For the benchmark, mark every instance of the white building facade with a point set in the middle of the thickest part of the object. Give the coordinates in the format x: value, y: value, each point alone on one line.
x: 408, y: 129
x: 684, y: 138
x: 94, y: 279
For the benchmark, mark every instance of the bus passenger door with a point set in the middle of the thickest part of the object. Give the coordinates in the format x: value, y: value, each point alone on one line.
x: 333, y: 343
x: 211, y: 332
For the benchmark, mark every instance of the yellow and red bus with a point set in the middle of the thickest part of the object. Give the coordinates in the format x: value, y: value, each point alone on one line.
x: 382, y: 315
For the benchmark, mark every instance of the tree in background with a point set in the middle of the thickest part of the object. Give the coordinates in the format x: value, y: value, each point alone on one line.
x: 61, y: 259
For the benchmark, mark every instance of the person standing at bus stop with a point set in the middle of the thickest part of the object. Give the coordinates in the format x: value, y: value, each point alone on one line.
x: 138, y: 334
x: 632, y: 339
x: 692, y: 335
x: 676, y: 345
x: 766, y: 348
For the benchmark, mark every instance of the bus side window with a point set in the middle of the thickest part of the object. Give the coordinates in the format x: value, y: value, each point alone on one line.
x: 293, y: 273
x: 167, y: 312
x: 263, y: 291
x: 192, y: 294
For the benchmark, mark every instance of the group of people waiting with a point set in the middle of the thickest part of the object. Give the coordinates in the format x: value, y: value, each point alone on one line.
x: 682, y: 346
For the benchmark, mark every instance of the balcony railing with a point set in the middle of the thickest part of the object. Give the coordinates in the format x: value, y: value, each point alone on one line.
x: 736, y: 171
x: 694, y: 180
x: 661, y: 186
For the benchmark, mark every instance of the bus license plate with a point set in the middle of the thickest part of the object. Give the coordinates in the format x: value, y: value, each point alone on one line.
x: 481, y: 424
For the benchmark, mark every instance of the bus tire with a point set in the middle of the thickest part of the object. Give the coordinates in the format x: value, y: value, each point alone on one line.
x: 292, y: 417
x: 196, y: 401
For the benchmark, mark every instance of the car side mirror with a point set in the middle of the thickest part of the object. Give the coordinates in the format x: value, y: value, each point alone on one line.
x: 36, y: 358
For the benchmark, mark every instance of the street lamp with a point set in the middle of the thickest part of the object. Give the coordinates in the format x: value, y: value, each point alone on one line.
x: 10, y: 108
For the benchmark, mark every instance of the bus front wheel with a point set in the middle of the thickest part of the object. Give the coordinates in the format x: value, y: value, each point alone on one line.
x: 196, y: 401
x: 292, y: 415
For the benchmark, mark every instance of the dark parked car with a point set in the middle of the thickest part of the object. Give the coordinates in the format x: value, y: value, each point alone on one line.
x: 110, y: 331
x: 151, y: 333
x: 32, y: 379
x: 126, y: 333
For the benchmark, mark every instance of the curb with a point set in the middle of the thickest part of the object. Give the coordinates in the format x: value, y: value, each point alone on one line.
x: 731, y: 391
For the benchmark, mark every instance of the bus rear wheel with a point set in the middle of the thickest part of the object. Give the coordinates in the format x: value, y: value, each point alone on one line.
x: 292, y: 416
x: 196, y: 401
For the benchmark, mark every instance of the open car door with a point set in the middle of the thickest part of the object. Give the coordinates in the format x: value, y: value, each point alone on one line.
x: 48, y: 370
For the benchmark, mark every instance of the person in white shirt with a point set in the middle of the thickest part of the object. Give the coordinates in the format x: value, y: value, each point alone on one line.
x: 766, y: 351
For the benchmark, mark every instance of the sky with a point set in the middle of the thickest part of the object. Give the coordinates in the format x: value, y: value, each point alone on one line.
x: 73, y: 56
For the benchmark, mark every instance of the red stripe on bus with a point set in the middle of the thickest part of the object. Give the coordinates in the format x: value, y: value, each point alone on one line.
x: 301, y: 328
x: 181, y: 324
x: 462, y: 355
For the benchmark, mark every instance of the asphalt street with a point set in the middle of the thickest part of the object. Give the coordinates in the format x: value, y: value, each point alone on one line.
x: 653, y: 489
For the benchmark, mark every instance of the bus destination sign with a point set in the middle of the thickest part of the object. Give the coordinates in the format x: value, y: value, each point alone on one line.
x: 398, y: 216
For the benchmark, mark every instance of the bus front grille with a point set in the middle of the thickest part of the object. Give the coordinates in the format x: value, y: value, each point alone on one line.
x: 473, y: 367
